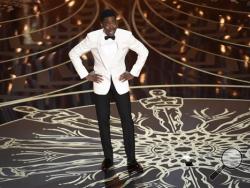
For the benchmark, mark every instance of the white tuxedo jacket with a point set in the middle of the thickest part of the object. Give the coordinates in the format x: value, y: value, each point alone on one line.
x: 110, y: 67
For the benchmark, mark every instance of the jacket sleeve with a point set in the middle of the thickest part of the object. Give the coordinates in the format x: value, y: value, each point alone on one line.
x: 75, y: 53
x: 142, y: 53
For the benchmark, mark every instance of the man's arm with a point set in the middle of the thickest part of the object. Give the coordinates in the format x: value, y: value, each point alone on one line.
x: 142, y: 53
x: 83, y: 47
x: 75, y: 53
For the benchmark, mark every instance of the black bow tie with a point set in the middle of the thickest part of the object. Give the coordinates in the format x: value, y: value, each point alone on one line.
x: 109, y: 37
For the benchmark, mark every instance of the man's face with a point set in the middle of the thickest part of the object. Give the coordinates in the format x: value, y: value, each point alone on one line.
x: 109, y: 25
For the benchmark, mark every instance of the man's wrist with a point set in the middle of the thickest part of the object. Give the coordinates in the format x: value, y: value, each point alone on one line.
x: 131, y: 74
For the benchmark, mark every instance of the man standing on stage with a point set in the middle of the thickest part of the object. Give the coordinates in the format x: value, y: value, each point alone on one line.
x: 109, y: 46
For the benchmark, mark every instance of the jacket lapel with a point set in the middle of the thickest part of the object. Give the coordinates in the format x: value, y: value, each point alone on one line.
x: 101, y: 54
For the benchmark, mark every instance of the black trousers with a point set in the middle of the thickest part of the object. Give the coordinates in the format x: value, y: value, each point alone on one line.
x: 102, y: 104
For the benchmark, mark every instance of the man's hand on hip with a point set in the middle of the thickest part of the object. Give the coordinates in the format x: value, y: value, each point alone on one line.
x: 126, y: 76
x: 94, y: 77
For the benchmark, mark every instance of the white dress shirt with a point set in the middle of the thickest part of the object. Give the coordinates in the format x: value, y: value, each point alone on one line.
x: 109, y: 48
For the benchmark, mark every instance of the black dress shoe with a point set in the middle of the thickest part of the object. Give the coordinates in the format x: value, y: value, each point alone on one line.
x: 106, y: 164
x: 134, y: 167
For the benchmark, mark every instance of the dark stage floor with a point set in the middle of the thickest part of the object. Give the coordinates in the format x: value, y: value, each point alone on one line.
x: 179, y: 142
